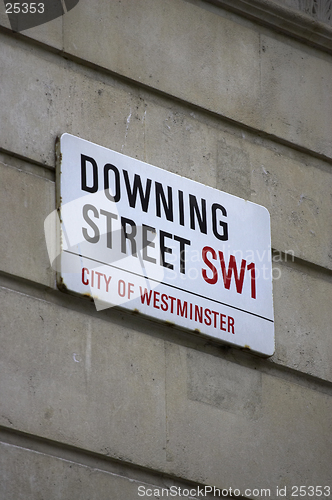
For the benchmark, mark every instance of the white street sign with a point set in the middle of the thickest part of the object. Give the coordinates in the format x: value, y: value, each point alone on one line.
x: 140, y: 237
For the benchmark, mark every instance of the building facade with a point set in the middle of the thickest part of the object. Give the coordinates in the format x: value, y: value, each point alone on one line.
x: 111, y: 405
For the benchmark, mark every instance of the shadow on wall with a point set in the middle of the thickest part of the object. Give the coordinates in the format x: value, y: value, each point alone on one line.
x: 24, y: 15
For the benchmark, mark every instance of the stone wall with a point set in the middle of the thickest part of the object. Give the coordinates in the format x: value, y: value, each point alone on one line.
x: 95, y: 404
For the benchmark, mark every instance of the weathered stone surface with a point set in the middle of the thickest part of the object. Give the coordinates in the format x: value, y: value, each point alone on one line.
x: 61, y: 100
x: 297, y: 196
x: 240, y: 392
x: 188, y: 51
x: 174, y: 46
x: 100, y: 386
x: 185, y: 145
x: 303, y: 317
x: 81, y: 380
x: 25, y: 201
x: 31, y: 475
x: 296, y: 85
x: 233, y: 425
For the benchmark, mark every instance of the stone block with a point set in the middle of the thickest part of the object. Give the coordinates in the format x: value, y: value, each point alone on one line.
x: 81, y: 380
x: 179, y: 48
x: 187, y: 51
x: 296, y: 85
x: 31, y: 475
x: 25, y: 201
x: 233, y: 165
x: 220, y: 430
x: 60, y: 100
x: 303, y: 317
x: 176, y: 141
x: 298, y: 198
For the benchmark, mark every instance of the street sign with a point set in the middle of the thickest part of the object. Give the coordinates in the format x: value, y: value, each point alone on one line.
x: 150, y: 241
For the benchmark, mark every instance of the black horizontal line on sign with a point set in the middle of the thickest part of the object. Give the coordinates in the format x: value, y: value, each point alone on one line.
x: 167, y: 284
